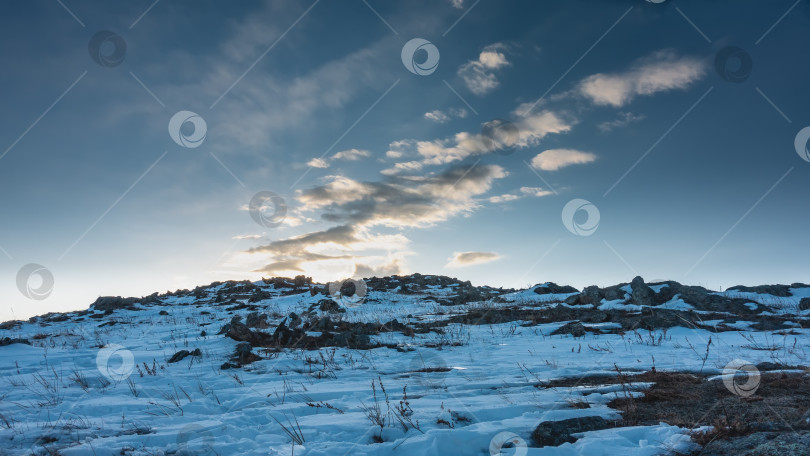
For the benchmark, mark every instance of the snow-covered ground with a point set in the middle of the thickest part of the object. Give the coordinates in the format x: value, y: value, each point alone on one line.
x: 94, y: 387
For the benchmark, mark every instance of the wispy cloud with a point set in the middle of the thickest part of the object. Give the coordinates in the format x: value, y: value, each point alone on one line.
x: 318, y: 163
x: 463, y: 259
x: 479, y: 75
x: 554, y: 159
x: 624, y: 119
x: 440, y: 116
x: 663, y: 71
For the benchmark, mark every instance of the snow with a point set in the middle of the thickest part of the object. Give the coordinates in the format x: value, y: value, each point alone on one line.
x: 490, y: 385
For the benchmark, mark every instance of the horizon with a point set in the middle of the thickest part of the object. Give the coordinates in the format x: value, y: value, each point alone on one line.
x: 162, y: 146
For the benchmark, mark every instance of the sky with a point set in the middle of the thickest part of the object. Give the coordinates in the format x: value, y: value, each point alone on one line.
x: 157, y: 145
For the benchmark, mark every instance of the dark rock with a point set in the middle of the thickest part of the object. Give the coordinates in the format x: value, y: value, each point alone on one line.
x: 226, y: 366
x: 182, y: 354
x: 256, y: 320
x: 328, y: 305
x: 573, y: 300
x: 591, y: 295
x: 238, y: 331
x: 553, y: 288
x: 244, y: 354
x: 573, y: 328
x: 642, y: 294
x: 804, y: 304
x: 8, y: 341
x: 614, y: 293
x: 105, y: 303
x: 555, y: 433
x: 163, y: 312
x: 782, y: 291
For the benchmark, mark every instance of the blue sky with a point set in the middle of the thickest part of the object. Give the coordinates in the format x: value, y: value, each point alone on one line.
x: 617, y: 103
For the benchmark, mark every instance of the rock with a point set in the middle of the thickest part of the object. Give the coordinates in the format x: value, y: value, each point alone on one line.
x: 614, y: 293
x: 573, y: 300
x: 573, y: 328
x: 782, y: 291
x: 244, y: 353
x: 553, y: 288
x: 8, y: 341
x: 238, y: 331
x: 163, y: 312
x: 105, y: 303
x: 555, y: 433
x: 642, y: 294
x: 256, y: 320
x: 182, y: 354
x: 804, y: 304
x: 591, y: 295
x: 328, y: 305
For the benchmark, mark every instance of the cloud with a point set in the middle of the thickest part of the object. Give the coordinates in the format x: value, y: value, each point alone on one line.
x: 444, y: 117
x: 625, y: 119
x: 554, y: 159
x: 531, y: 130
x: 459, y: 4
x: 524, y: 192
x: 535, y: 191
x: 463, y: 259
x: 351, y: 155
x: 358, y: 208
x: 479, y: 75
x: 661, y: 72
x: 318, y: 163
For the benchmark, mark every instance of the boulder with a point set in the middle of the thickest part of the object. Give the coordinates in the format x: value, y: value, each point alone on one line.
x: 555, y: 433
x: 574, y: 328
x: 642, y: 294
x: 782, y: 291
x: 804, y: 304
x: 591, y: 295
x: 256, y: 320
x: 553, y: 288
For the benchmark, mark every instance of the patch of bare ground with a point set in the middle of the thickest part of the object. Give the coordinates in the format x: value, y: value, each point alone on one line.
x: 772, y: 421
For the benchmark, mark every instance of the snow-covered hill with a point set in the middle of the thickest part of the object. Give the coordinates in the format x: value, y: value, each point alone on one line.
x: 397, y: 365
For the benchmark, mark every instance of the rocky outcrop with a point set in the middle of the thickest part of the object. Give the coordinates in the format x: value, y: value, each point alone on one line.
x: 553, y: 288
x: 555, y: 433
x: 574, y: 328
x: 642, y: 294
